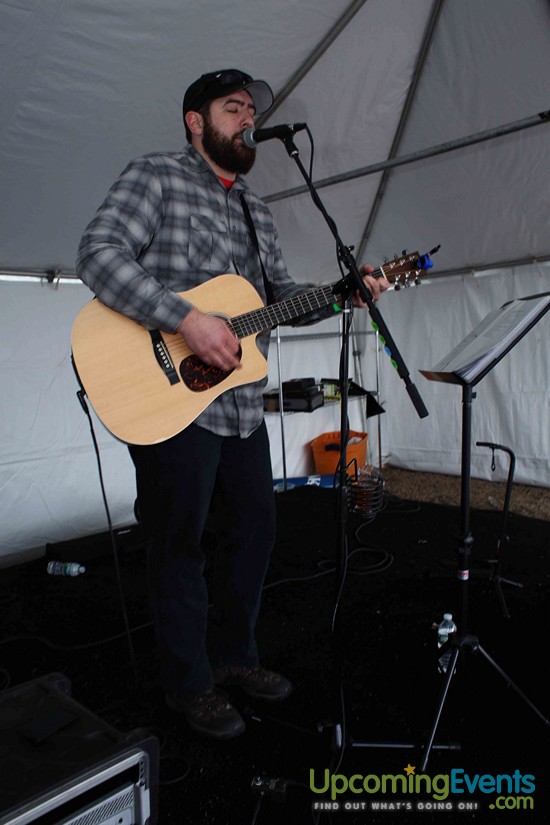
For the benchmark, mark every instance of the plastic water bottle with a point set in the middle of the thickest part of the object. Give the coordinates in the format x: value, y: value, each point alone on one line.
x: 445, y: 629
x: 65, y: 568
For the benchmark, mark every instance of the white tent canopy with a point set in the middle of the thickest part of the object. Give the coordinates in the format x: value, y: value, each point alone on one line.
x: 430, y: 126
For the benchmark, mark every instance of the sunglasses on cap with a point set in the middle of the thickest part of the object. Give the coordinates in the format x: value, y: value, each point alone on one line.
x: 218, y: 84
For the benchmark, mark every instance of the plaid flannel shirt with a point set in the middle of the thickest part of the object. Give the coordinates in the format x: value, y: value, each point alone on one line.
x: 167, y: 225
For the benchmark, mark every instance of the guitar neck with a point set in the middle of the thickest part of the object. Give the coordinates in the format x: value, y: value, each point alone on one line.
x: 398, y: 272
x: 271, y: 316
x: 260, y: 320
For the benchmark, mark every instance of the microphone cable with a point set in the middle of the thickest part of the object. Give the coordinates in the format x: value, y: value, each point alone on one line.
x: 128, y: 633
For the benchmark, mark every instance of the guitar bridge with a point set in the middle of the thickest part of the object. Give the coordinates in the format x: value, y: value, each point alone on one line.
x: 163, y: 356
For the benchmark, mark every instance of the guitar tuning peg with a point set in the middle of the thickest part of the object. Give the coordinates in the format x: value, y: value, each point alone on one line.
x: 404, y: 252
x: 386, y: 260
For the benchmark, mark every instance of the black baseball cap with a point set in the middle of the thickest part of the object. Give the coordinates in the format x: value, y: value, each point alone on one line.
x: 221, y: 83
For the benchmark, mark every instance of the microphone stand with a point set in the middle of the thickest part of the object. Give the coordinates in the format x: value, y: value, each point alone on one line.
x: 354, y: 278
x: 353, y: 281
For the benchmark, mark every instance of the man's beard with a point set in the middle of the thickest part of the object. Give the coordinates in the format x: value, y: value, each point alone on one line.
x: 228, y: 153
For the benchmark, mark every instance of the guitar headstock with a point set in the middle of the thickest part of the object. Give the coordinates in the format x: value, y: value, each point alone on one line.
x: 407, y: 269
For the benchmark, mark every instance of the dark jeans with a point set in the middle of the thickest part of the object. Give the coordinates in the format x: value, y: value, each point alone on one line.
x: 178, y: 482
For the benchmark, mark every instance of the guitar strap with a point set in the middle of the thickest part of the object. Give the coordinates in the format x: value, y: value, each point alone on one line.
x: 248, y: 217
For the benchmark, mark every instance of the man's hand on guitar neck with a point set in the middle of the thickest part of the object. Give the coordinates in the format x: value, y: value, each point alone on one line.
x: 210, y: 339
x: 376, y: 286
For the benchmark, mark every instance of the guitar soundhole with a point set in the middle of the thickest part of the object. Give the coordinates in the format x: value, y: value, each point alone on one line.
x: 199, y: 376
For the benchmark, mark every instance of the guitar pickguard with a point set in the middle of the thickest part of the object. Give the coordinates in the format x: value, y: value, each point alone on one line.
x: 198, y: 376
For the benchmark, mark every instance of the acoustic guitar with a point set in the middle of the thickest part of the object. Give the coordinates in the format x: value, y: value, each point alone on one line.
x: 146, y: 386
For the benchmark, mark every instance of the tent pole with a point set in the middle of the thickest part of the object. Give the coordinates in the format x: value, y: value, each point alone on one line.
x: 313, y: 58
x: 449, y: 146
x: 403, y: 118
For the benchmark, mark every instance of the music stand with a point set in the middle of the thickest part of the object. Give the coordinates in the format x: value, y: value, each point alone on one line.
x: 466, y: 365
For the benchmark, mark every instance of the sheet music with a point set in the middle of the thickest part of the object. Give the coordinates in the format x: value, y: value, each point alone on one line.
x: 499, y: 330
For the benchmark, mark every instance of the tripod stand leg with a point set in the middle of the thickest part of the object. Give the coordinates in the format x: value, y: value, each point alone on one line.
x: 472, y: 642
x: 446, y: 684
x: 510, y: 683
x: 501, y: 598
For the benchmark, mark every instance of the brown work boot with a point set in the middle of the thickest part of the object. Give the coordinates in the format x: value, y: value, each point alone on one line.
x: 256, y: 681
x: 208, y: 713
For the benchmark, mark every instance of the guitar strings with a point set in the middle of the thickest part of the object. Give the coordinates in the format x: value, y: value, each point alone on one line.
x: 254, y: 321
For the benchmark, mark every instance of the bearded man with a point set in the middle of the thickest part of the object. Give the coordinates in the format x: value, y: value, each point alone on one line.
x: 172, y: 222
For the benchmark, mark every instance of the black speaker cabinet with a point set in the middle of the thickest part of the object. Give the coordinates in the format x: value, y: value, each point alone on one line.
x: 62, y: 765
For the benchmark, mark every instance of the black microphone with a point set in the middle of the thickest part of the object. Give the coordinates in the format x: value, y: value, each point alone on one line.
x: 251, y: 137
